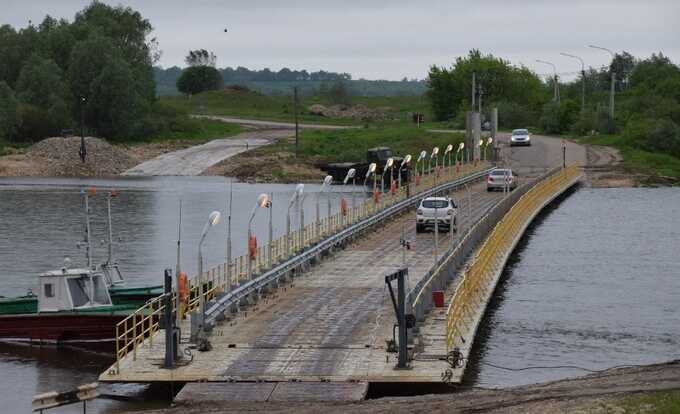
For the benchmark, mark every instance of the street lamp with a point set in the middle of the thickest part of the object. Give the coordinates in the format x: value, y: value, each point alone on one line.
x: 404, y: 162
x: 299, y: 190
x: 461, y: 146
x: 583, y: 79
x: 213, y: 220
x: 263, y: 201
x: 388, y: 164
x: 371, y: 170
x: 556, y: 96
x: 351, y: 173
x: 447, y: 152
x: 421, y: 159
x: 613, y: 81
x: 326, y: 183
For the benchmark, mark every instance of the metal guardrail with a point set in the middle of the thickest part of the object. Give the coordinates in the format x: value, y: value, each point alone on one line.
x: 445, y: 270
x: 228, y: 283
x: 477, y: 282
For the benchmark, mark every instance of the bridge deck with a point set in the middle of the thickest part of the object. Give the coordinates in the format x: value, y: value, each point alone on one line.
x: 330, y: 324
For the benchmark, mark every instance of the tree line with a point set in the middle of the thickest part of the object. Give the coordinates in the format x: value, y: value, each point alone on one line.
x: 96, y: 71
x: 647, y: 98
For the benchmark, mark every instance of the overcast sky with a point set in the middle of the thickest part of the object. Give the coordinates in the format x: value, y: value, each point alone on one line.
x: 390, y: 39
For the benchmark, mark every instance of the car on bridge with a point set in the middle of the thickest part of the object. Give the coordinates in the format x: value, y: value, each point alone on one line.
x: 520, y: 137
x: 441, y: 210
x: 499, y: 178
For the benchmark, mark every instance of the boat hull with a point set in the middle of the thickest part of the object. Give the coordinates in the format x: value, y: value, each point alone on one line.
x: 91, y: 331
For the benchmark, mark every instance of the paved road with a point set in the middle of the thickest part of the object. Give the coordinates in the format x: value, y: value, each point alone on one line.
x: 272, y: 124
x: 195, y: 160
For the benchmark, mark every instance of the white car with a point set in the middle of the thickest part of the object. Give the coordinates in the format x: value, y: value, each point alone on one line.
x: 520, y: 137
x: 436, y: 209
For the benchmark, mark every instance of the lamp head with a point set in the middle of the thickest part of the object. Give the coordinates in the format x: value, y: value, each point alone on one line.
x: 407, y: 159
x: 481, y: 142
x: 371, y: 169
x: 435, y: 151
x: 422, y: 155
x: 327, y: 180
x: 389, y: 163
x: 489, y: 141
x: 299, y: 189
x: 350, y: 174
x: 461, y: 146
x: 214, y: 218
x: 448, y: 149
x: 263, y: 200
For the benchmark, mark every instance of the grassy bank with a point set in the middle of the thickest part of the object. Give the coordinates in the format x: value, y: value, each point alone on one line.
x: 199, y: 130
x: 253, y: 105
x: 351, y: 145
x: 636, y: 160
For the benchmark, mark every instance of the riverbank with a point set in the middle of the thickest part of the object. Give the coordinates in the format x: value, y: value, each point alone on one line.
x: 643, y: 168
x: 644, y: 389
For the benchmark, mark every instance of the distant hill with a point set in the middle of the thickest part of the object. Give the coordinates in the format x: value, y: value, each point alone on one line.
x: 282, y: 82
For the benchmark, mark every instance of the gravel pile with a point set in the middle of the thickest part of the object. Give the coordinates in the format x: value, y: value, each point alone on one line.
x: 357, y: 112
x: 58, y: 157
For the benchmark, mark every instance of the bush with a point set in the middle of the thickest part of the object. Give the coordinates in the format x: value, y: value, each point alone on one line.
x: 197, y: 79
x: 34, y: 124
x: 512, y: 115
x: 653, y: 135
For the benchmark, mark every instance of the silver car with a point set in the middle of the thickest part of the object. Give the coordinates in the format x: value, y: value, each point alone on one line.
x: 440, y: 210
x: 520, y: 137
x: 500, y: 178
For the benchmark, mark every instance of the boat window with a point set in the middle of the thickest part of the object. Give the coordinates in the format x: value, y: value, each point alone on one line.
x: 49, y: 292
x: 79, y: 291
x: 100, y: 294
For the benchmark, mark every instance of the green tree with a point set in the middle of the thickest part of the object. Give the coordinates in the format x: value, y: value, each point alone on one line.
x: 197, y: 79
x: 8, y: 112
x: 114, y: 104
x: 338, y: 93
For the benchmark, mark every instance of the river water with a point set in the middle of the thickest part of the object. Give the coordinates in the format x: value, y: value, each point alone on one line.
x: 594, y: 284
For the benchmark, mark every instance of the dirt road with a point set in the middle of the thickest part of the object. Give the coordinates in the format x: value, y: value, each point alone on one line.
x: 195, y: 160
x: 271, y: 124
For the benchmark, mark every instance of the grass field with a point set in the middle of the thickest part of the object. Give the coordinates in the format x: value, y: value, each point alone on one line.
x: 637, y: 160
x: 200, y: 130
x: 248, y: 104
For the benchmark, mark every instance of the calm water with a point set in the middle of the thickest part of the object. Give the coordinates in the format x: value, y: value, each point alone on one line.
x: 596, y: 284
x: 42, y: 221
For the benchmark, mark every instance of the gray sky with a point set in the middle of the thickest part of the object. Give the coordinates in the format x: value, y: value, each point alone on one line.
x: 380, y: 39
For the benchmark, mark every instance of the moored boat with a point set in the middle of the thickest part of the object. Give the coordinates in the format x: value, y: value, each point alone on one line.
x: 73, y: 308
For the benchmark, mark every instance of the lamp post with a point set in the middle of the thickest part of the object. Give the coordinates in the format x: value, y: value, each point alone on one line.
x: 388, y: 164
x: 556, y: 92
x: 351, y: 173
x: 461, y: 146
x: 404, y: 162
x: 435, y: 153
x: 421, y: 160
x: 613, y: 81
x: 447, y: 152
x: 583, y: 79
x: 262, y: 201
x: 481, y: 142
x: 299, y: 189
x: 302, y: 219
x: 326, y: 183
x: 213, y: 220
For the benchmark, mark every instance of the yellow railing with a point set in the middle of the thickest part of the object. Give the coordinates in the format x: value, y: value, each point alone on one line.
x: 473, y: 290
x: 143, y: 323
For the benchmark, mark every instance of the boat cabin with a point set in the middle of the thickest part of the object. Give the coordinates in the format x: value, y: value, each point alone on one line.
x: 72, y: 289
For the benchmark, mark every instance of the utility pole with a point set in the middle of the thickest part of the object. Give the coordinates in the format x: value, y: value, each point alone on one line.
x: 295, y: 109
x: 472, y: 107
x: 481, y: 92
x: 613, y: 80
x: 583, y: 79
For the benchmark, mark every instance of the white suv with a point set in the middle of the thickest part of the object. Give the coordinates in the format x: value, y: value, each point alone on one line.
x: 440, y: 209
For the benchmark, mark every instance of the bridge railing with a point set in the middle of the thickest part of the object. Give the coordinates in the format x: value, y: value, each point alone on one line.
x: 140, y: 326
x: 476, y: 285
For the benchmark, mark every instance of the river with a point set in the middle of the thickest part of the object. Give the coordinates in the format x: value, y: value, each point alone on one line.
x: 595, y: 283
